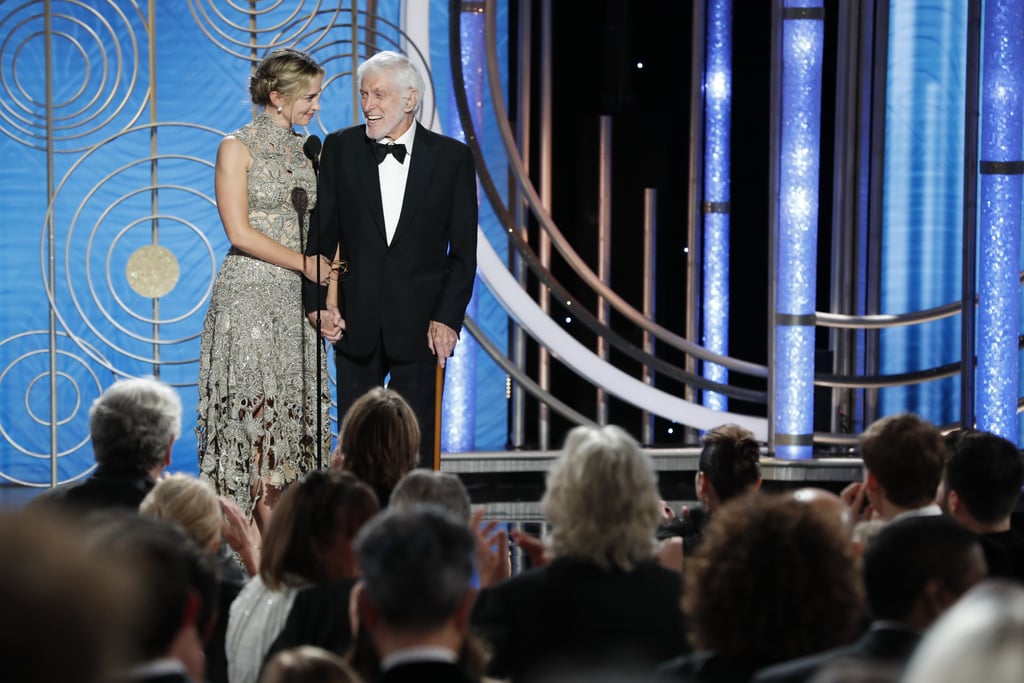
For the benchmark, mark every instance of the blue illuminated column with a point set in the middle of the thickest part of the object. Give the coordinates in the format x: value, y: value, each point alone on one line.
x: 717, y: 120
x: 999, y: 197
x: 797, y: 224
x: 458, y: 416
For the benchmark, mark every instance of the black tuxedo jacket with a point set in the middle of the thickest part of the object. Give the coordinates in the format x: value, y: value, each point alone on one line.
x: 421, y: 672
x: 573, y: 612
x: 427, y: 272
x: 882, y: 644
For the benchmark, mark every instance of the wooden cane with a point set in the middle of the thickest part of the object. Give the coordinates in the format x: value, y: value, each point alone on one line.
x: 438, y: 390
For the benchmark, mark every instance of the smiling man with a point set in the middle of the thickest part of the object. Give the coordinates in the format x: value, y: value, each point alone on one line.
x: 398, y: 204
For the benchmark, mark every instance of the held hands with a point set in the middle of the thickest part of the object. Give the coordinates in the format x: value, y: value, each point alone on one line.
x: 441, y: 341
x: 332, y: 325
x: 309, y: 269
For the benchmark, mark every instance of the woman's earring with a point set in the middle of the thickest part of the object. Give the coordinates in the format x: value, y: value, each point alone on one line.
x: 279, y: 109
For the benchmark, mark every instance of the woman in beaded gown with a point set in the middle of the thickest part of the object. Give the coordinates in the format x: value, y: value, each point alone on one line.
x: 258, y: 406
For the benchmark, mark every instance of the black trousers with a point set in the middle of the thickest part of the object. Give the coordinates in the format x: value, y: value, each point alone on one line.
x: 413, y: 380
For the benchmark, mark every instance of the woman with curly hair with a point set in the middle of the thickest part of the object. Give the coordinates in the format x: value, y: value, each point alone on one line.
x: 775, y: 578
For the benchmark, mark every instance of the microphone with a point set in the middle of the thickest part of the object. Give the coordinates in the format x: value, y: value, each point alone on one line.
x: 311, y: 148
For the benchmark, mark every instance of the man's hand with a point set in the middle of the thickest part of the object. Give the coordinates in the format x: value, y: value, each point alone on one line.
x: 441, y: 341
x: 855, y: 496
x: 532, y: 547
x: 332, y: 325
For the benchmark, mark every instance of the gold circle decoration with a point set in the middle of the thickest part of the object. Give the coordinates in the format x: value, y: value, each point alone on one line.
x: 152, y: 271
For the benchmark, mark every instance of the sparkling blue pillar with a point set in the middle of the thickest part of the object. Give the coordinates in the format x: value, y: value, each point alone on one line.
x: 717, y: 120
x: 999, y: 198
x: 797, y: 219
x: 458, y: 417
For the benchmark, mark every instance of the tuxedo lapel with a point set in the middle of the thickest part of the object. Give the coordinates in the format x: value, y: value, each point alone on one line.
x: 421, y: 162
x: 370, y: 179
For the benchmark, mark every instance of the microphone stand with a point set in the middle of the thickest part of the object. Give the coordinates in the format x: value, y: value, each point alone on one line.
x: 300, y: 200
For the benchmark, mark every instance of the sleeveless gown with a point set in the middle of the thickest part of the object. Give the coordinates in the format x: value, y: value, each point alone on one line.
x: 258, y: 353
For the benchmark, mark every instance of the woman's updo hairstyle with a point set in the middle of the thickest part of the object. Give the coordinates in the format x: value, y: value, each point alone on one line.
x: 285, y: 70
x: 730, y: 459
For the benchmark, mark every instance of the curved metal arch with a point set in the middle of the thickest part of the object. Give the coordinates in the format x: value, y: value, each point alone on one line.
x: 564, y: 248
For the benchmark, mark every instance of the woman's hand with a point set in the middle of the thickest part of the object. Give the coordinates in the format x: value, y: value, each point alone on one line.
x: 310, y: 264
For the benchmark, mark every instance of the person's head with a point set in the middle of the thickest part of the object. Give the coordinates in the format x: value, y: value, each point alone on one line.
x: 417, y: 565
x: 380, y: 440
x: 729, y: 465
x: 601, y: 499
x: 426, y: 486
x: 977, y: 639
x: 177, y: 607
x: 309, y: 538
x: 308, y: 664
x: 774, y: 579
x: 66, y: 609
x: 133, y: 425
x: 827, y: 504
x: 915, y: 567
x: 903, y: 458
x: 391, y: 90
x: 288, y: 82
x: 983, y: 479
x: 188, y: 502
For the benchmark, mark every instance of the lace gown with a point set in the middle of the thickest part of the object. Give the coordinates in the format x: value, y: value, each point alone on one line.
x: 257, y: 365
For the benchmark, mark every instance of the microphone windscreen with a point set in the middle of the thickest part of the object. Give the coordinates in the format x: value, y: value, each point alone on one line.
x: 311, y: 148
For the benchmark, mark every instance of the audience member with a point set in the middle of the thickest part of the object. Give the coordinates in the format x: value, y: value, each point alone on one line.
x: 133, y: 425
x: 65, y: 608
x: 980, y: 488
x: 192, y: 504
x: 729, y: 466
x: 415, y: 596
x: 447, y: 490
x: 773, y: 579
x: 308, y: 664
x: 977, y: 639
x: 913, y: 570
x: 308, y: 542
x: 379, y: 440
x: 903, y: 459
x: 175, y: 609
x: 602, y: 598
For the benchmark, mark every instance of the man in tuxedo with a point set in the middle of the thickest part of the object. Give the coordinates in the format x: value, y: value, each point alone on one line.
x: 980, y: 489
x: 415, y: 596
x: 133, y: 426
x: 397, y: 205
x: 177, y: 599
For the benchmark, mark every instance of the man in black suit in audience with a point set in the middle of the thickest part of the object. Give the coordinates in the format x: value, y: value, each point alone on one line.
x: 980, y: 488
x: 913, y: 570
x: 174, y: 608
x: 415, y: 597
x: 133, y: 426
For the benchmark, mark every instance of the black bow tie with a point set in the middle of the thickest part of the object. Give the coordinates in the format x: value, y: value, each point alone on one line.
x: 381, y: 150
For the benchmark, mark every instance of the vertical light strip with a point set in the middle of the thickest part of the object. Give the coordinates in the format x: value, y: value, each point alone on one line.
x: 797, y: 219
x: 1000, y: 194
x: 458, y: 423
x: 717, y: 121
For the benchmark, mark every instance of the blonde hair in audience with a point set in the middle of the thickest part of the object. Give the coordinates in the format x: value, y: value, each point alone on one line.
x: 308, y: 664
x: 188, y: 502
x: 602, y: 499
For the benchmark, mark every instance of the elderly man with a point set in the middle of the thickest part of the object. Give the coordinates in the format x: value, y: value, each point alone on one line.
x: 133, y: 426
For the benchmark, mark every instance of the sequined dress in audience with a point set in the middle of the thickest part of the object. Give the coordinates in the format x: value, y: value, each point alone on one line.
x: 257, y: 366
